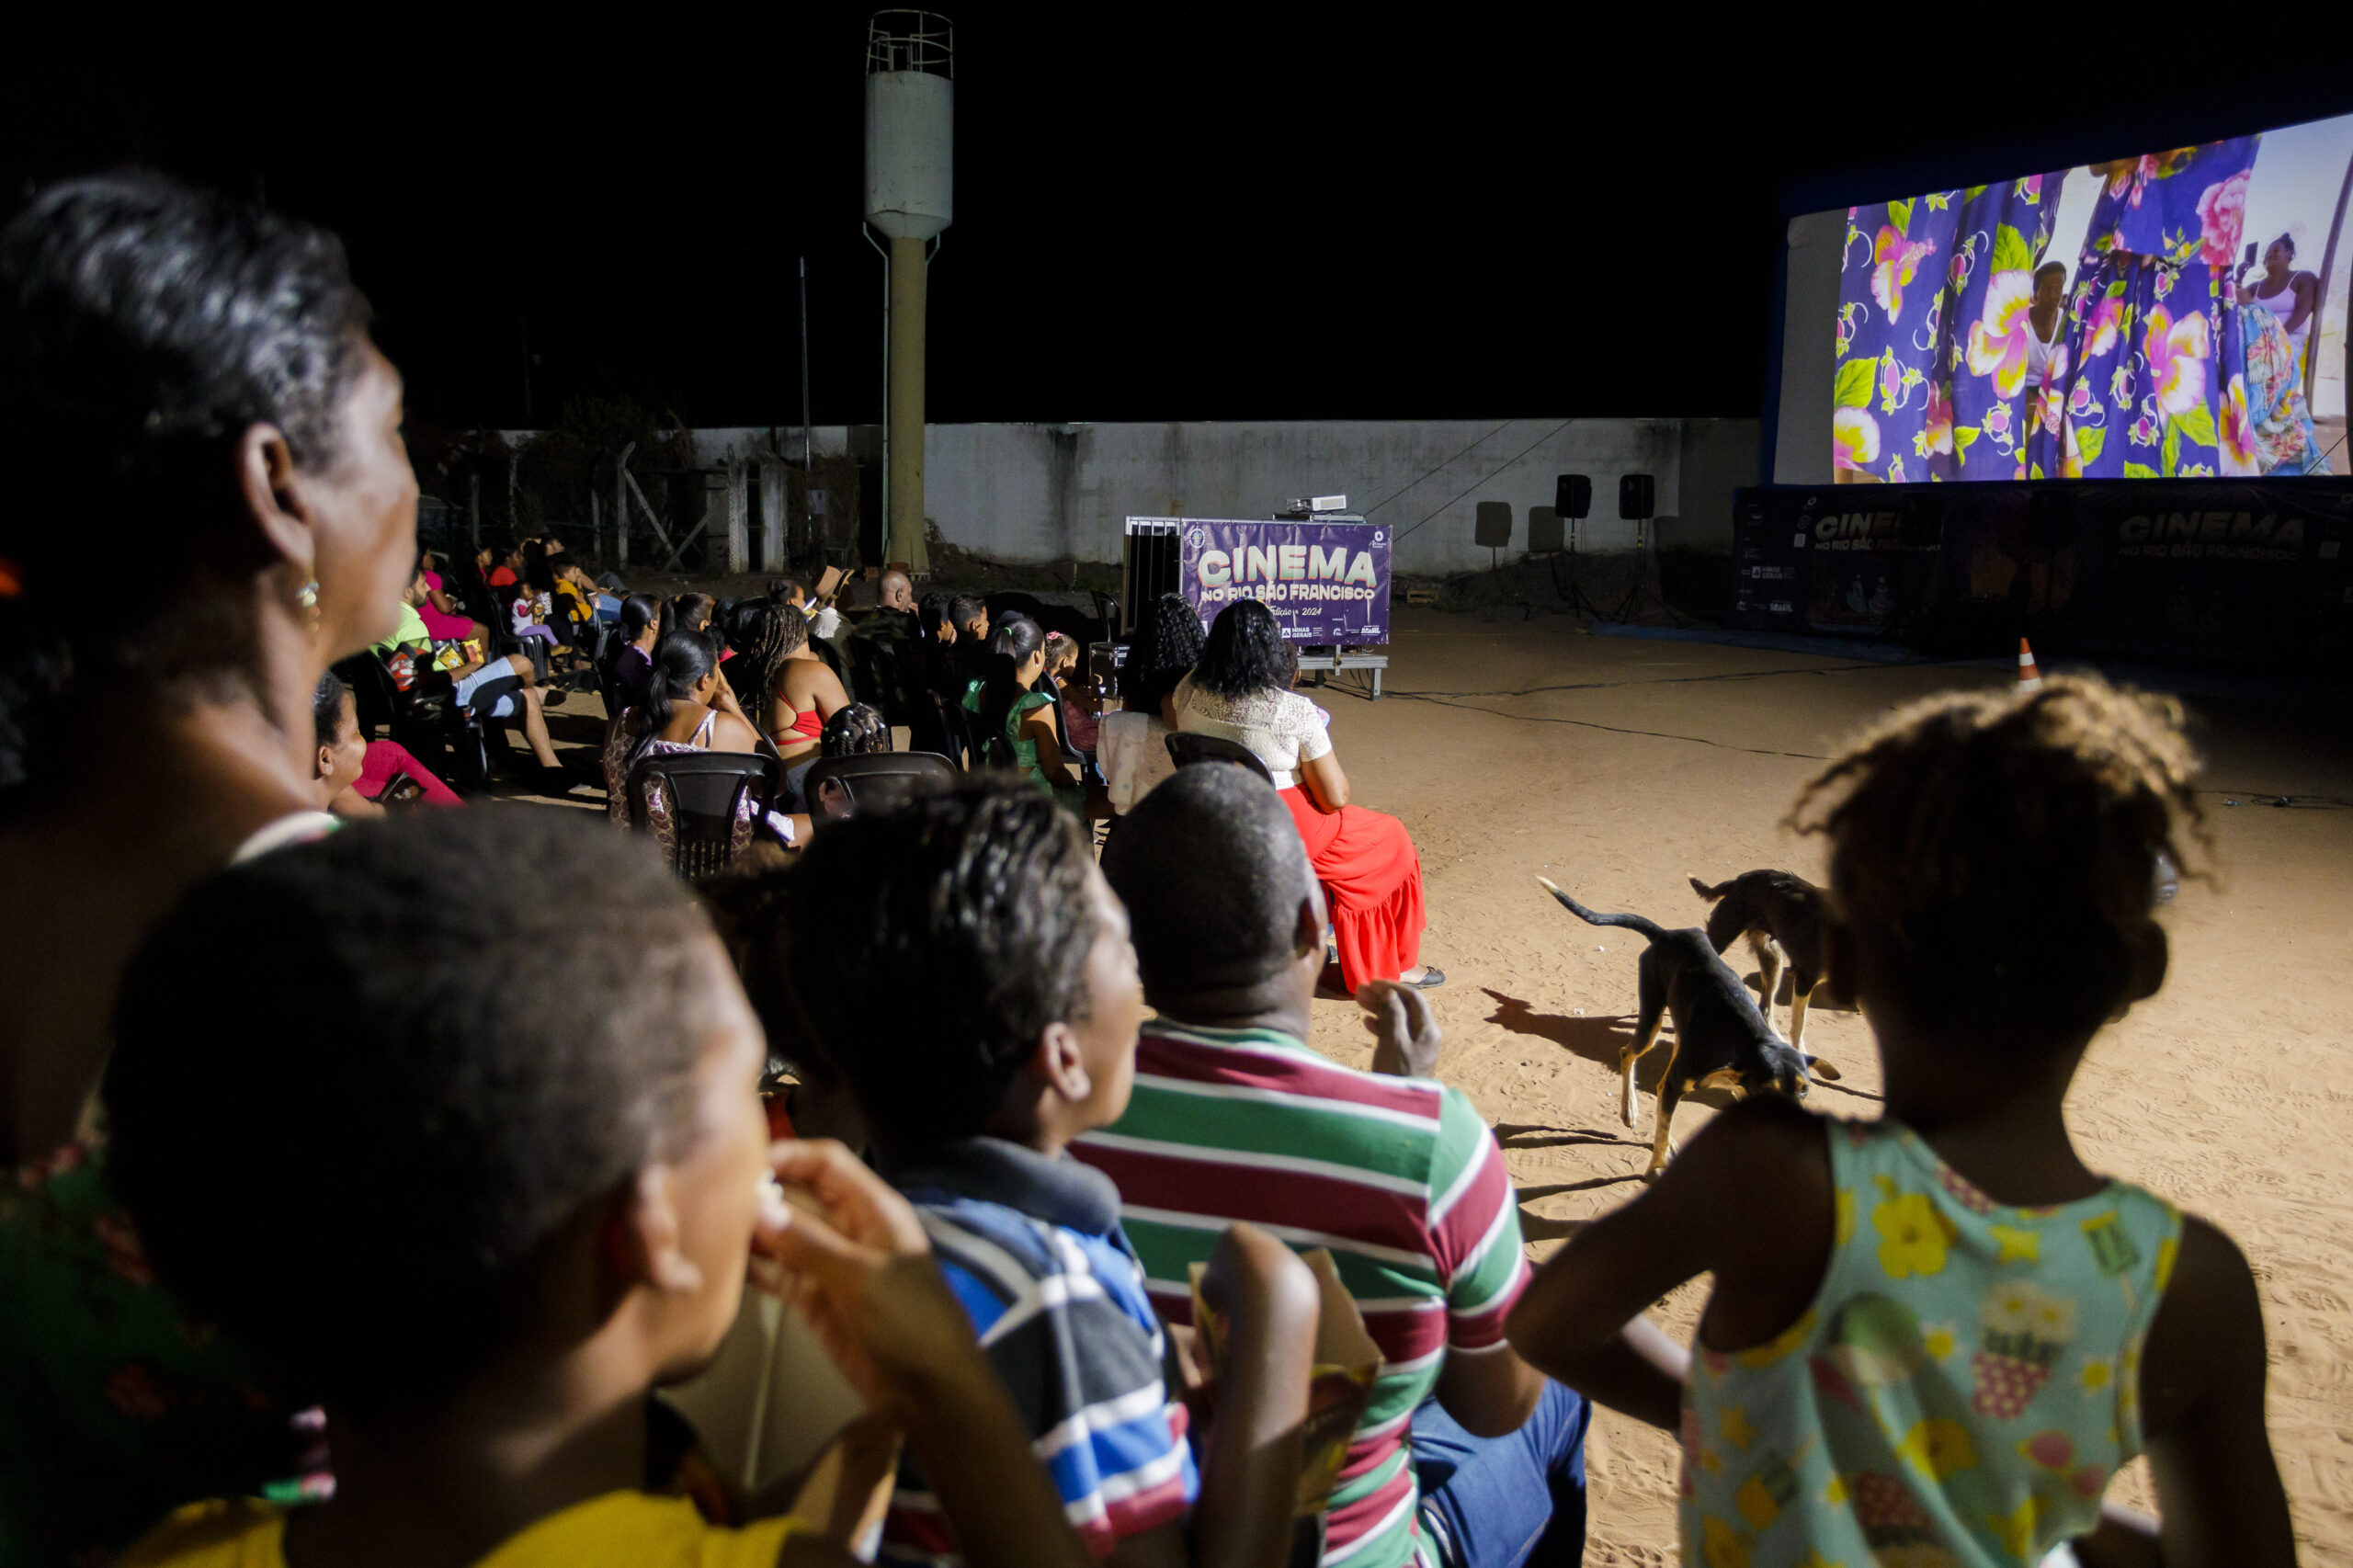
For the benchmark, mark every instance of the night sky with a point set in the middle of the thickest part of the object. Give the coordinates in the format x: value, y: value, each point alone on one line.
x: 1206, y: 215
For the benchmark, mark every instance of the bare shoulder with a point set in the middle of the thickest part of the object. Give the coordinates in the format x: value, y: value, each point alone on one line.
x: 1759, y: 1167
x: 731, y: 734
x: 1767, y: 1132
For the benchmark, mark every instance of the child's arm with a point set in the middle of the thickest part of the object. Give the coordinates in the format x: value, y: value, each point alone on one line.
x: 1750, y: 1199
x: 2201, y: 1409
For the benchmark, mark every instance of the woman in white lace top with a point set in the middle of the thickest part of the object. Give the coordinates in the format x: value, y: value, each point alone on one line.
x: 1371, y: 871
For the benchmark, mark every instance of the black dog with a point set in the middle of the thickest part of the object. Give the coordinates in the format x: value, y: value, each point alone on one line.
x: 1781, y: 916
x: 1720, y: 1039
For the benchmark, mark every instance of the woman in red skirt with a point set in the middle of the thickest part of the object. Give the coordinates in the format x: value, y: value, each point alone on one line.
x: 1371, y: 875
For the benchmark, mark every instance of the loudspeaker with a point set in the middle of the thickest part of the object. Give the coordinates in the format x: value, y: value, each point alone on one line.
x: 1572, y: 496
x: 1546, y: 533
x: 1494, y: 525
x: 1635, y: 494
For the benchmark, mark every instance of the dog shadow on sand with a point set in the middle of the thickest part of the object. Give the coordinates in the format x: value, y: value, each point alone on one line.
x: 1600, y: 1038
x: 1597, y: 1039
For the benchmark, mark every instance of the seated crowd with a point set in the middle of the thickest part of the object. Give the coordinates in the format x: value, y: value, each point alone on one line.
x: 515, y: 1127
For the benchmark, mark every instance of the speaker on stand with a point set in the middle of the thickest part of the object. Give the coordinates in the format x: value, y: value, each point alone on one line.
x: 1571, y: 504
x: 1636, y: 498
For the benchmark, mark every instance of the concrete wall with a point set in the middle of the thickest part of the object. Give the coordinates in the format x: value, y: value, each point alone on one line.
x: 1719, y: 456
x: 1036, y: 492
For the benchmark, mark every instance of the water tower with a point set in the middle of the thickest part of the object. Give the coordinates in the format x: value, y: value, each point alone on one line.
x: 910, y: 166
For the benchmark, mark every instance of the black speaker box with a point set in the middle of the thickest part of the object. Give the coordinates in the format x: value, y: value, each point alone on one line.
x: 1636, y: 495
x: 1572, y: 496
x: 1492, y: 525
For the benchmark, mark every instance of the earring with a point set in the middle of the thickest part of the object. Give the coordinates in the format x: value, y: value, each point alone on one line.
x: 307, y: 596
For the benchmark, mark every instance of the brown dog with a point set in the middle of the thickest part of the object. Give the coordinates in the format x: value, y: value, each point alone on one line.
x: 1781, y: 915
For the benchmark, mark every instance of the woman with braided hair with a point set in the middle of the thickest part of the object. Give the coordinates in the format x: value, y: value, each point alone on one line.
x: 793, y: 689
x: 1951, y: 1332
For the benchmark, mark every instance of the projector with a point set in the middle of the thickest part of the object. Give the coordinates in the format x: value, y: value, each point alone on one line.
x: 1320, y: 504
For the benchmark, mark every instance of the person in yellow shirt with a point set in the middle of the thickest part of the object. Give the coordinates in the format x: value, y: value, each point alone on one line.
x: 486, y: 1164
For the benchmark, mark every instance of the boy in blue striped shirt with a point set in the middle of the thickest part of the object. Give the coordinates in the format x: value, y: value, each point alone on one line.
x: 980, y: 994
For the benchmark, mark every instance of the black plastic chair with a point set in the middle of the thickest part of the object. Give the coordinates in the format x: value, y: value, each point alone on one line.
x: 1186, y: 750
x: 876, y: 781
x: 715, y: 801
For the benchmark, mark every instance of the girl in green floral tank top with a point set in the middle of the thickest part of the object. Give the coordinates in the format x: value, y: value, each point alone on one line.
x: 1966, y: 1375
x: 1935, y: 1338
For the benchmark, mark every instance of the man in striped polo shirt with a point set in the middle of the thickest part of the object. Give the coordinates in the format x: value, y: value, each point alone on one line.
x: 1233, y: 1118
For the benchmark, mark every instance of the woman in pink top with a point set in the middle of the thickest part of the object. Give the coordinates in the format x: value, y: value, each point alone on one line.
x: 440, y: 611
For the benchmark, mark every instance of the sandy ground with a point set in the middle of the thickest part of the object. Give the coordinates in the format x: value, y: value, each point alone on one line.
x: 1617, y: 766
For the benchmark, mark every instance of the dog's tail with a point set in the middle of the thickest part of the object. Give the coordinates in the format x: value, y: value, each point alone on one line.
x: 1631, y: 922
x: 1710, y: 894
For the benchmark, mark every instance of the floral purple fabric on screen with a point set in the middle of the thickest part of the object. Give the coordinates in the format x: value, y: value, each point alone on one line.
x: 2149, y: 379
x: 2155, y: 383
x: 1931, y: 381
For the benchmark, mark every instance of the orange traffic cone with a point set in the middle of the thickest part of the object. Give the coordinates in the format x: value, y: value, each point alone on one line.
x: 2029, y: 677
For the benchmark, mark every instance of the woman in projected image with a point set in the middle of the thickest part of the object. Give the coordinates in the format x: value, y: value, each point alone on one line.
x: 2272, y: 431
x: 2285, y: 292
x: 2046, y: 341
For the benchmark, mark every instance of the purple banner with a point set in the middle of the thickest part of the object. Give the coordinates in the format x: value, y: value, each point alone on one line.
x: 1326, y: 582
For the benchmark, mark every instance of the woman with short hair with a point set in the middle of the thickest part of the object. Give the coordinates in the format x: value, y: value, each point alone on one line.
x: 189, y: 382
x: 1371, y: 874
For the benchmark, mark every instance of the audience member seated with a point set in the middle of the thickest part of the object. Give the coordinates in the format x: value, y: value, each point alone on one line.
x: 1241, y: 691
x: 856, y: 731
x: 390, y: 776
x: 1398, y: 1175
x: 189, y: 395
x: 528, y: 607
x: 1131, y: 745
x: 561, y: 601
x: 824, y: 621
x: 571, y: 578
x: 645, y: 620
x: 500, y: 562
x: 444, y: 620
x: 1078, y: 704
x: 412, y: 632
x: 496, y: 1091
x: 1012, y: 1029
x: 1018, y: 720
x: 885, y: 659
x: 340, y: 753
x: 504, y: 688
x: 687, y: 708
x: 693, y: 611
x: 799, y: 691
x: 358, y: 777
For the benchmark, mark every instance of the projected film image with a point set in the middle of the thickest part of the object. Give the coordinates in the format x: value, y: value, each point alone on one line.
x: 2179, y: 313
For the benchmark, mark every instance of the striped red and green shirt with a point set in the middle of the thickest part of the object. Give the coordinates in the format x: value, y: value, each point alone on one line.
x: 1398, y: 1176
